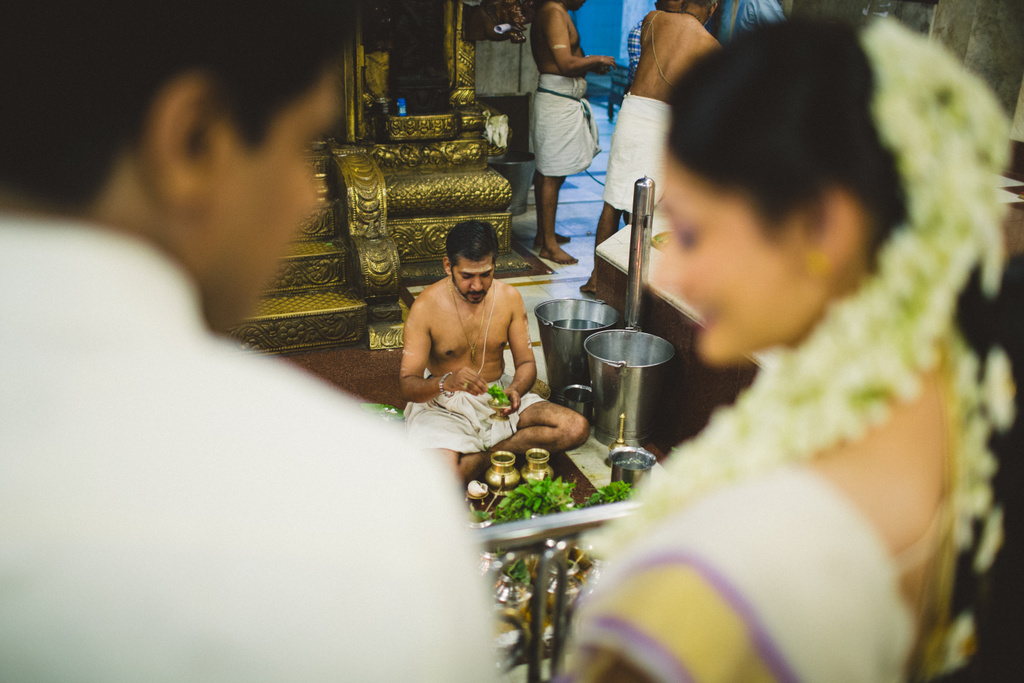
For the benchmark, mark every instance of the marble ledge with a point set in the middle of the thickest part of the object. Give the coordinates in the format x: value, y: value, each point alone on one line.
x: 615, y: 250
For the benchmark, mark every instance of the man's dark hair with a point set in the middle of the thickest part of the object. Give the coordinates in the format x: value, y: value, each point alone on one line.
x: 78, y: 78
x: 471, y: 240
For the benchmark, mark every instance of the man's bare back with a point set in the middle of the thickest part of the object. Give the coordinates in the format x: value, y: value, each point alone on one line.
x: 670, y: 44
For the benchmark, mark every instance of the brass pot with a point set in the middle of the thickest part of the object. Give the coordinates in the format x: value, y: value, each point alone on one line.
x: 499, y: 410
x: 502, y: 476
x: 537, y: 467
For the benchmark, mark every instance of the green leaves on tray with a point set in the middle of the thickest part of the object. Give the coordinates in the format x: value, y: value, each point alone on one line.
x: 384, y: 411
x: 535, y: 498
x: 612, y: 493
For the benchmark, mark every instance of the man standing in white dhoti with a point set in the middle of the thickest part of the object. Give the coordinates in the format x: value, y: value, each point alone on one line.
x: 562, y: 128
x: 456, y: 335
x: 670, y: 43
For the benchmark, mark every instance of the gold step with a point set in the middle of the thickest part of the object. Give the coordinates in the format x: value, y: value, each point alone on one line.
x: 304, y: 320
x: 419, y: 194
x: 422, y: 238
x: 311, y: 265
x: 320, y: 224
x: 431, y: 157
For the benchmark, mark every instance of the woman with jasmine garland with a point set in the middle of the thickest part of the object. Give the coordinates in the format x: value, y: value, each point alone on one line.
x: 833, y: 207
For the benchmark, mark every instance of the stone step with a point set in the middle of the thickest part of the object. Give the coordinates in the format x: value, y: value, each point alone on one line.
x: 300, y: 321
x: 312, y: 265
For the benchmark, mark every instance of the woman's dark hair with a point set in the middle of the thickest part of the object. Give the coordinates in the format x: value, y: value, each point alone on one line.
x: 783, y: 113
x: 471, y: 240
x: 997, y: 597
x: 78, y: 78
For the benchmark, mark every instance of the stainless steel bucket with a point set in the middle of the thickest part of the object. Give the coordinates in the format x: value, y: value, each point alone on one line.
x: 517, y: 167
x: 579, y: 397
x: 627, y: 379
x: 565, y: 324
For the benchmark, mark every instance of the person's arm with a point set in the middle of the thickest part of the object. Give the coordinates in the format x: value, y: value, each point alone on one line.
x: 417, y: 343
x: 415, y: 354
x: 655, y: 608
x: 522, y: 354
x: 556, y: 33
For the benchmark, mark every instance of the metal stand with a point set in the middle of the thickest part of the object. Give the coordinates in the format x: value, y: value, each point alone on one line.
x: 639, y: 249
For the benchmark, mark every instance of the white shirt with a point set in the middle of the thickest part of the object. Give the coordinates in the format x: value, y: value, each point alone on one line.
x: 174, y: 509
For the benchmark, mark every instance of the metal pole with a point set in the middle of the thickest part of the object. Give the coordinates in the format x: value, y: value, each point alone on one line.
x: 639, y: 249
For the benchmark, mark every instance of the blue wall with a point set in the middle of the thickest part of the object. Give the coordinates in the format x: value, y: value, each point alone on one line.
x: 600, y: 25
x: 632, y: 12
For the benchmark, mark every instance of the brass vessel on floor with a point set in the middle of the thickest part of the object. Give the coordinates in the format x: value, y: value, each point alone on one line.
x: 537, y: 467
x: 502, y: 476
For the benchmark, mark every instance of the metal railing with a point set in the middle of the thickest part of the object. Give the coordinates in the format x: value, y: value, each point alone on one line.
x: 551, y: 539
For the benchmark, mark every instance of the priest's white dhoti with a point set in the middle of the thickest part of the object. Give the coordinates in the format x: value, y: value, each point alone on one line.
x: 462, y: 423
x: 638, y: 149
x: 563, y: 129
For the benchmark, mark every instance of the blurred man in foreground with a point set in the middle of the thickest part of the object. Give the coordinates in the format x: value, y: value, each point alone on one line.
x: 173, y: 508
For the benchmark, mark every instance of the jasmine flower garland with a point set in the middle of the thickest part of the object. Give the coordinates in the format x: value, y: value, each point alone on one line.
x: 948, y: 137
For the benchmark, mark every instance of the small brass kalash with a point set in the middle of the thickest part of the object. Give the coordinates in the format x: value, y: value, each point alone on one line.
x: 537, y: 467
x: 499, y: 410
x: 502, y: 476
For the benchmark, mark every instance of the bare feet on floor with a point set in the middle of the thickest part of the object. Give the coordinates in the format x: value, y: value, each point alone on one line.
x: 590, y: 287
x: 561, y: 239
x: 558, y: 255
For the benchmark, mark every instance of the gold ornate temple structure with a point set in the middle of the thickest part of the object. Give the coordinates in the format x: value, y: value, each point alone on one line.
x: 392, y: 186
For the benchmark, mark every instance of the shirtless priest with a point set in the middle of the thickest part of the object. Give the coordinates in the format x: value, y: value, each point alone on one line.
x: 457, y: 331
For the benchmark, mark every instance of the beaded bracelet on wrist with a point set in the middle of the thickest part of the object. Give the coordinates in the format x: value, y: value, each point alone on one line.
x: 440, y: 385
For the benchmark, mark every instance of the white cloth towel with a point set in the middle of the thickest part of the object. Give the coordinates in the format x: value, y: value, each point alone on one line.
x: 496, y: 130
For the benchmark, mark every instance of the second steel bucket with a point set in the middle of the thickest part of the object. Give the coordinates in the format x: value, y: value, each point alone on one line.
x: 625, y: 367
x: 565, y: 324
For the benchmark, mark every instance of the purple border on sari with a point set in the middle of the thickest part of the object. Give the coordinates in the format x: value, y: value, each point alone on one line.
x: 763, y: 643
x: 643, y: 647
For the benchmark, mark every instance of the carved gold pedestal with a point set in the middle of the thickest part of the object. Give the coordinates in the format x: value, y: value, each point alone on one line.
x: 313, y: 302
x: 393, y: 188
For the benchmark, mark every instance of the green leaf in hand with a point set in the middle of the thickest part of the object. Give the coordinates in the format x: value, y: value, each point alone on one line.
x: 498, y: 393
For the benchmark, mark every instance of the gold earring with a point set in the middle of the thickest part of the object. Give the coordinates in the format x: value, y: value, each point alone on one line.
x: 818, y: 263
